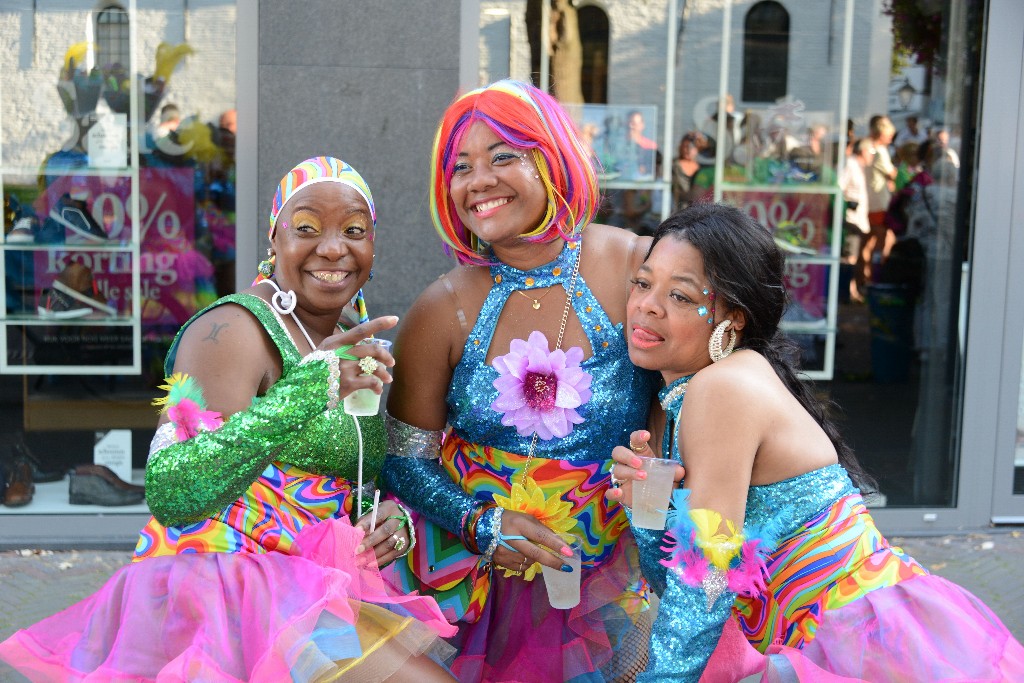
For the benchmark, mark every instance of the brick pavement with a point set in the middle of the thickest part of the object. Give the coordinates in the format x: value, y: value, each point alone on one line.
x: 35, y: 584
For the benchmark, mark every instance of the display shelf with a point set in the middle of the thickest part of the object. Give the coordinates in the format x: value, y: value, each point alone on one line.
x: 51, y: 498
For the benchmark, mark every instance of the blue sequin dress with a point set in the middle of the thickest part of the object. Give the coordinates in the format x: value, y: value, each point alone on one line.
x: 839, y: 604
x: 514, y: 627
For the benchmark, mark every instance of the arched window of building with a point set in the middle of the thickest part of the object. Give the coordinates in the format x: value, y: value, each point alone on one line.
x: 765, y: 52
x: 593, y: 23
x: 112, y: 36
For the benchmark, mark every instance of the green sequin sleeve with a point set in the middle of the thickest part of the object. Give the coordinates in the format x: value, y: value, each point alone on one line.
x: 187, y: 482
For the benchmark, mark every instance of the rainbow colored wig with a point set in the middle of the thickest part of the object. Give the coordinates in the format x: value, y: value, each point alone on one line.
x: 527, y: 119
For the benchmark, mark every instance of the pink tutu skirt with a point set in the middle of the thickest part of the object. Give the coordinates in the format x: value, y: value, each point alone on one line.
x: 520, y: 637
x: 923, y: 629
x: 310, y: 615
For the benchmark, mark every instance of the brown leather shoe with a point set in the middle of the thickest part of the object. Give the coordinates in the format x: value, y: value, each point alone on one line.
x: 20, y: 488
x: 98, y: 485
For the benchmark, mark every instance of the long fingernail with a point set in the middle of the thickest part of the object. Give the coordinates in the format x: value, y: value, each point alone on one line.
x: 567, y: 568
x: 566, y: 550
x: 636, y: 462
x: 641, y: 475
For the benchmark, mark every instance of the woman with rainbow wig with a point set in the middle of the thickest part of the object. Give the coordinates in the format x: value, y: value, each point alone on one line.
x: 513, y: 379
x: 259, y: 563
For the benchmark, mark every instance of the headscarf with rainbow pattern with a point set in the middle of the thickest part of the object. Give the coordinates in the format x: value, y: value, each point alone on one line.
x: 321, y: 169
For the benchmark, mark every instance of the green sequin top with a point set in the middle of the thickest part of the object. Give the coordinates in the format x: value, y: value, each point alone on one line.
x: 191, y: 480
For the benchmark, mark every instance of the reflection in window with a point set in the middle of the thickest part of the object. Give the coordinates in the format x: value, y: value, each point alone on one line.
x: 593, y: 23
x: 765, y: 52
x: 112, y: 36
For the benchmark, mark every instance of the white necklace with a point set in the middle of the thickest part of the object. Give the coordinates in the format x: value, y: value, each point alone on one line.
x: 284, y: 303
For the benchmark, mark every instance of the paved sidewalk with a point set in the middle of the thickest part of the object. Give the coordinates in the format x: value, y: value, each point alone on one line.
x: 36, y: 584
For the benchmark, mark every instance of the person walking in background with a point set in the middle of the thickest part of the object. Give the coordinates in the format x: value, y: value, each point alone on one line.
x: 258, y: 564
x: 770, y: 536
x: 881, y: 183
x: 685, y: 169
x: 856, y: 227
x: 512, y: 376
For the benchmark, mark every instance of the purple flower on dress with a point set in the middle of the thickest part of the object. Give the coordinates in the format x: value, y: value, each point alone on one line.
x: 539, y: 390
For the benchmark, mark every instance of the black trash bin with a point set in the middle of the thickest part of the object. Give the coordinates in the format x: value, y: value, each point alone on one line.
x: 892, y: 331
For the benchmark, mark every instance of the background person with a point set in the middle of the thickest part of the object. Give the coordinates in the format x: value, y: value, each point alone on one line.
x: 251, y: 568
x: 518, y: 353
x: 770, y: 529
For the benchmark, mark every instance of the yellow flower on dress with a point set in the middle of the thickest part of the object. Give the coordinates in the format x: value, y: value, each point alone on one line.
x: 553, y: 512
x: 720, y: 547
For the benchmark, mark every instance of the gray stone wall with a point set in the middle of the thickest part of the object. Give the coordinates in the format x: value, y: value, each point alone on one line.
x: 366, y: 82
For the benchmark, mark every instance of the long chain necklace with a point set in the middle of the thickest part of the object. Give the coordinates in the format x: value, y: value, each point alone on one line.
x: 558, y: 345
x: 536, y: 302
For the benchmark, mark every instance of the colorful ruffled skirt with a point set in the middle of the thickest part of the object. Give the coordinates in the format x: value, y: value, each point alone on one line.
x: 318, y: 613
x: 507, y: 629
x: 922, y: 629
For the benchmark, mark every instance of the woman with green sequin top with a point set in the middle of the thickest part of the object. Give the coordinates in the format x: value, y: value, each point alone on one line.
x: 259, y: 563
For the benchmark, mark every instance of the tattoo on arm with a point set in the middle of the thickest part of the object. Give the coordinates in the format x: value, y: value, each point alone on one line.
x: 217, y: 327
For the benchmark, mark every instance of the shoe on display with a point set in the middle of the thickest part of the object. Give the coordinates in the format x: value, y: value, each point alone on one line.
x: 22, y: 232
x: 40, y: 475
x: 98, y: 485
x: 73, y: 295
x: 72, y: 215
x: 20, y: 488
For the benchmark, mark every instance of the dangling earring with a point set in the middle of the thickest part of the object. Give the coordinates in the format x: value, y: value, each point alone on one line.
x: 715, y: 349
x: 266, y: 266
x: 371, y: 275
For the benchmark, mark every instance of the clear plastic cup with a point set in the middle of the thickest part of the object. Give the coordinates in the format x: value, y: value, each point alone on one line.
x: 564, y: 587
x: 364, y: 402
x: 651, y: 495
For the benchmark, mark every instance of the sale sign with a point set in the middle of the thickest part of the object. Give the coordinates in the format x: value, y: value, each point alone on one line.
x: 80, y: 212
x: 800, y: 224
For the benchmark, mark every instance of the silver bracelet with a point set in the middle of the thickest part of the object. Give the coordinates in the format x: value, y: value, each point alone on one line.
x: 410, y: 527
x: 495, y: 534
x: 411, y: 442
x: 334, y: 372
x: 163, y: 438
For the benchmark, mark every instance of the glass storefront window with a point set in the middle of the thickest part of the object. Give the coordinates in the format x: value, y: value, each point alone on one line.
x: 117, y: 124
x: 798, y: 83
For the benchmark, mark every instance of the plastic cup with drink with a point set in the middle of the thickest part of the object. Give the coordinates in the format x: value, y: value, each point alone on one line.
x: 564, y: 587
x: 363, y: 402
x: 651, y: 495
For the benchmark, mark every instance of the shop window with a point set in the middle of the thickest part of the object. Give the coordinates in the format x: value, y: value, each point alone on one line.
x: 765, y: 52
x: 593, y: 23
x: 112, y: 36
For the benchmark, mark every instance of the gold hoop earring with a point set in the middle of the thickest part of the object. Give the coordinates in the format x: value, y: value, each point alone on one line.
x: 715, y: 349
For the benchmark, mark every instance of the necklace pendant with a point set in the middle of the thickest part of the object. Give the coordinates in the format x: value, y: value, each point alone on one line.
x: 536, y: 305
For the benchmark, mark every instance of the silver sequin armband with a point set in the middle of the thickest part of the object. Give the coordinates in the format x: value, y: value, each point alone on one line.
x: 411, y: 442
x: 334, y: 381
x: 163, y: 438
x: 495, y: 534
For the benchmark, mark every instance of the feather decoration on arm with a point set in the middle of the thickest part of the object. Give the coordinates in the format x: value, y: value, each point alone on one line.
x: 700, y: 543
x: 186, y: 408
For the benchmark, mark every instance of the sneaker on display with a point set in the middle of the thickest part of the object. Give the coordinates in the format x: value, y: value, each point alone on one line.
x: 21, y: 232
x: 80, y: 226
x: 73, y: 295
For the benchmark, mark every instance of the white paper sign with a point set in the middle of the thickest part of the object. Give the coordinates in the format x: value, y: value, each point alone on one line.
x: 114, y: 449
x: 107, y: 141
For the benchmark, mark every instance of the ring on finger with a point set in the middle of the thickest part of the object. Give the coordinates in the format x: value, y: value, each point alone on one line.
x: 399, y: 542
x: 616, y: 482
x: 637, y: 448
x: 522, y: 565
x: 368, y: 364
